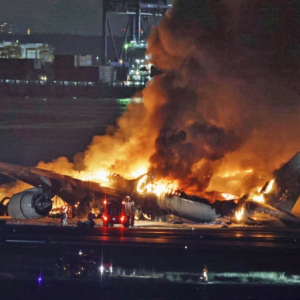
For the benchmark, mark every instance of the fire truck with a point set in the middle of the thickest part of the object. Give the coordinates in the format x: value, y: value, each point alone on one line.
x: 118, y: 211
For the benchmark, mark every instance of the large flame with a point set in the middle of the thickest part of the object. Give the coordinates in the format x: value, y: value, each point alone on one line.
x: 239, y: 214
x: 100, y: 176
x: 158, y: 187
x: 259, y: 195
x: 198, y: 124
x: 269, y: 186
x: 236, y: 173
x: 227, y: 196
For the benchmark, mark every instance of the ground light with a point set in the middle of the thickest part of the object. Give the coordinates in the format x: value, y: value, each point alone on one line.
x: 40, y: 280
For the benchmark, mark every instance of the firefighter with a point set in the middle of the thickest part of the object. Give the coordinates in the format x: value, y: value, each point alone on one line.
x: 205, y: 275
x: 129, y: 210
x: 64, y: 219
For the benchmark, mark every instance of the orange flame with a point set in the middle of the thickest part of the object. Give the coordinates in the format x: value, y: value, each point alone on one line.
x: 239, y: 214
x: 236, y: 173
x: 259, y: 196
x: 157, y: 187
x: 270, y: 186
x: 227, y: 196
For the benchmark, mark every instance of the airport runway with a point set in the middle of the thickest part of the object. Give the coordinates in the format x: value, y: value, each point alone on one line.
x: 152, y: 234
x: 153, y: 260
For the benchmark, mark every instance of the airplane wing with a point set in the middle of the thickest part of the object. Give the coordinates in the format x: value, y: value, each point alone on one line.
x: 40, y: 177
x: 36, y: 202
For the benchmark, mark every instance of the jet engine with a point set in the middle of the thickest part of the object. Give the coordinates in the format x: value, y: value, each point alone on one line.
x: 29, y: 204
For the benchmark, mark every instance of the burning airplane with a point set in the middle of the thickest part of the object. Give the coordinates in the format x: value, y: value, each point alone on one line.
x: 275, y: 199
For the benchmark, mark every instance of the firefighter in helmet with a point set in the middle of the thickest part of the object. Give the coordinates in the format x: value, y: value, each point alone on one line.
x: 129, y: 210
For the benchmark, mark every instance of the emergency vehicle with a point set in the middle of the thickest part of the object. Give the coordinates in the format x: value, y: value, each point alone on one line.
x: 118, y: 211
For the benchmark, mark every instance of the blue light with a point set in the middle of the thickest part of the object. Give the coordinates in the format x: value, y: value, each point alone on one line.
x: 40, y: 279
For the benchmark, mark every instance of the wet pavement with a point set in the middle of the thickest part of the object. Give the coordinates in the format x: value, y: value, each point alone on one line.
x: 173, y: 268
x: 154, y: 260
x: 152, y: 234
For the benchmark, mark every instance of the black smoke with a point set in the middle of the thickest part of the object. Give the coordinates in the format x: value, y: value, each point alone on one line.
x: 228, y: 68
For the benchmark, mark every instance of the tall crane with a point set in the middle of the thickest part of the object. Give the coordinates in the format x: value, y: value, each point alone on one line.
x: 136, y: 10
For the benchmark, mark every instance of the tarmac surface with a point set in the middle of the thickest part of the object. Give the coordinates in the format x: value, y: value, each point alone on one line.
x: 151, y: 233
x: 153, y: 260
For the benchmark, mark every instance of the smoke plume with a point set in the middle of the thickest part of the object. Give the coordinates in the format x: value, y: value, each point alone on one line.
x: 224, y: 113
x: 229, y: 105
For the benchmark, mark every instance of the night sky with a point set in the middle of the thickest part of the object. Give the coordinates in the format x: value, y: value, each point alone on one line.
x: 53, y: 16
x: 82, y: 17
